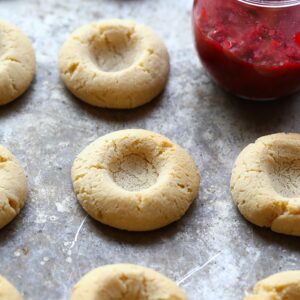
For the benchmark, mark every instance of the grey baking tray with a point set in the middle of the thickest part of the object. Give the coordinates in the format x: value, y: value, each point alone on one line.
x: 212, y: 252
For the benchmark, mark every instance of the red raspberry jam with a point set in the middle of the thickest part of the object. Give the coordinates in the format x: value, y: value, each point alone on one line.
x: 251, y: 48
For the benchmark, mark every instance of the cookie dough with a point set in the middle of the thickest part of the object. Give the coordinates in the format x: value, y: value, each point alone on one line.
x: 13, y: 187
x: 17, y: 62
x: 7, y: 291
x: 281, y: 286
x: 126, y: 282
x: 135, y: 180
x: 114, y: 64
x: 265, y: 183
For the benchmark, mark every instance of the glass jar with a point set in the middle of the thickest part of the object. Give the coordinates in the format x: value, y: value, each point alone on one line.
x: 251, y: 48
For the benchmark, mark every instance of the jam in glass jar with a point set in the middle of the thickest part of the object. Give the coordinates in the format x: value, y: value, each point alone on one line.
x: 251, y: 48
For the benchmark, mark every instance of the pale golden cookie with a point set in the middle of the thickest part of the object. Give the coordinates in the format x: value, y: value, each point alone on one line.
x: 8, y: 291
x: 265, y: 183
x: 126, y: 282
x: 13, y: 187
x: 114, y: 64
x: 135, y: 179
x: 17, y: 62
x: 281, y: 286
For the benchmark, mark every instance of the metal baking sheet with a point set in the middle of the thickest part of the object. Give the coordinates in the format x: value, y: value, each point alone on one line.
x: 213, y: 253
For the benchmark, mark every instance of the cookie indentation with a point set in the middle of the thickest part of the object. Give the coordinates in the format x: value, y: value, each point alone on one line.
x: 284, y: 173
x: 115, y: 49
x: 126, y: 282
x: 134, y: 173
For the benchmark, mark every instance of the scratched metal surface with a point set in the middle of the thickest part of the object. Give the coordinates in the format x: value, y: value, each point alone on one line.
x: 212, y: 252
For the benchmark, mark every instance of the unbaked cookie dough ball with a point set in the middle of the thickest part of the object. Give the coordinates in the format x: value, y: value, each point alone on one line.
x: 126, y: 282
x: 13, y: 187
x: 281, y: 286
x: 114, y: 64
x: 265, y: 183
x: 8, y: 291
x: 135, y: 180
x: 17, y: 62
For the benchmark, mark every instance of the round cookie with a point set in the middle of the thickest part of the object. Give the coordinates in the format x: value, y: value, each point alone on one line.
x: 265, y: 183
x: 126, y: 282
x: 281, y: 286
x: 17, y: 62
x: 114, y: 64
x: 8, y: 291
x: 135, y: 180
x: 13, y: 187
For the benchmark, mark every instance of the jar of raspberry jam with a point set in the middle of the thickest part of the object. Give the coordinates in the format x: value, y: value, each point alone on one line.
x: 251, y: 48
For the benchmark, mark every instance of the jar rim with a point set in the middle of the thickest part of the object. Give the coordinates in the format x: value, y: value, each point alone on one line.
x: 271, y: 3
